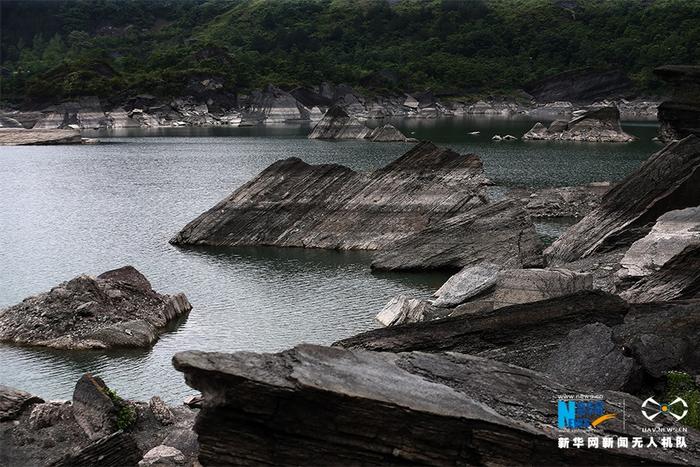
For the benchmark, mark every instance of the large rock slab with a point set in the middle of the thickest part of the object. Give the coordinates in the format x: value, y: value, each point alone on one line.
x: 294, y: 204
x: 24, y: 137
x: 470, y: 282
x: 93, y: 408
x: 402, y: 309
x: 340, y: 407
x: 116, y: 309
x: 668, y: 180
x: 500, y: 232
x: 600, y: 125
x: 516, y: 286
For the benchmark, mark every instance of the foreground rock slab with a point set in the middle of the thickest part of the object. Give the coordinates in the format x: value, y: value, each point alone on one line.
x: 668, y: 180
x: 115, y: 309
x: 367, y: 408
x: 24, y: 137
x: 658, y: 337
x: 595, y: 126
x: 294, y: 204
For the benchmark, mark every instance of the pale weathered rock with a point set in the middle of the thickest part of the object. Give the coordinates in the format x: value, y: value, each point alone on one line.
x: 22, y: 137
x: 672, y: 233
x: 162, y: 456
x: 668, y: 180
x: 388, y: 133
x: 470, y: 282
x: 599, y: 125
x: 14, y: 401
x: 8, y: 122
x: 294, y: 204
x: 500, y: 232
x: 273, y: 105
x: 117, y: 309
x: 516, y: 286
x: 355, y: 406
x: 402, y: 309
x: 337, y: 124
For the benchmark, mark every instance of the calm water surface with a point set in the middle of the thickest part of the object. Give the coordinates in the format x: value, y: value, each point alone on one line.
x: 86, y: 209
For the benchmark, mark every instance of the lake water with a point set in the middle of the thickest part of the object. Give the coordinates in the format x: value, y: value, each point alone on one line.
x: 86, y: 209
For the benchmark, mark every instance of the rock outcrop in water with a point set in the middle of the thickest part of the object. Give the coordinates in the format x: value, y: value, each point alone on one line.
x: 680, y: 116
x: 294, y: 204
x: 96, y: 427
x: 668, y: 180
x: 24, y: 137
x: 115, y: 309
x: 369, y: 408
x: 600, y: 125
x: 338, y: 124
x: 653, y: 338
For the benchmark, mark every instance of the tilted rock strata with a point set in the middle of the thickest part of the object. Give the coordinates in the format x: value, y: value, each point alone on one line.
x: 500, y: 232
x: 345, y: 407
x: 668, y: 180
x: 337, y: 124
x: 658, y: 336
x: 116, y: 309
x: 595, y: 126
x: 294, y: 204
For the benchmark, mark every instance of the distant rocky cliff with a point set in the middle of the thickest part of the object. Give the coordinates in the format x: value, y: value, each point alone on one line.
x: 680, y: 116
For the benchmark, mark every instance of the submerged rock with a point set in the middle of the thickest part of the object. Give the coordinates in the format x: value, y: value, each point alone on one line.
x: 373, y: 408
x: 116, y: 309
x: 294, y: 204
x: 22, y: 137
x: 600, y: 125
x: 500, y: 232
x: 668, y: 180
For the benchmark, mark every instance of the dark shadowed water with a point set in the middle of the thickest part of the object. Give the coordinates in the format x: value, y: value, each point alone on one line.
x: 86, y: 209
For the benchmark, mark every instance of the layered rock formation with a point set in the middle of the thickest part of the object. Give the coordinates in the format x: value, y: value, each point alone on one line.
x: 600, y: 125
x: 356, y: 407
x: 680, y: 116
x: 338, y: 124
x: 655, y: 337
x: 500, y: 232
x: 566, y: 201
x: 582, y: 85
x: 273, y: 105
x: 115, y: 309
x: 668, y: 180
x: 294, y: 204
x: 23, y: 137
x: 96, y: 427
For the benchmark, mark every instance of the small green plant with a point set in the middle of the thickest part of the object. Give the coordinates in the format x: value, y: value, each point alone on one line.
x: 680, y: 384
x: 126, y: 414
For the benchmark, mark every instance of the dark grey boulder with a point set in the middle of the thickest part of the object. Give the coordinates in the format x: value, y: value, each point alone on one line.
x: 93, y: 408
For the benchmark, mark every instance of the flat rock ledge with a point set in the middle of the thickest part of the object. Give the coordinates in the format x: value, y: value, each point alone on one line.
x: 294, y: 204
x: 368, y: 408
x: 95, y: 428
x: 600, y: 125
x: 24, y: 137
x: 115, y: 309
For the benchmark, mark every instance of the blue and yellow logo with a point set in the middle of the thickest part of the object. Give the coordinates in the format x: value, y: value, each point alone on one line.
x: 581, y: 415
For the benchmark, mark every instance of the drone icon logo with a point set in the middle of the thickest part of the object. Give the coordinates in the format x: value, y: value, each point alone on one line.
x: 652, y: 409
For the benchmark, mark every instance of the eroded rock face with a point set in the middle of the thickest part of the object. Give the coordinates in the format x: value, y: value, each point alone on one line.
x: 582, y: 85
x: 515, y: 286
x: 116, y: 309
x: 355, y: 406
x: 500, y: 232
x: 24, y: 137
x: 273, y: 105
x: 401, y: 310
x: 597, y: 126
x: 14, y: 401
x: 294, y: 204
x: 680, y: 116
x: 337, y: 124
x: 668, y: 180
